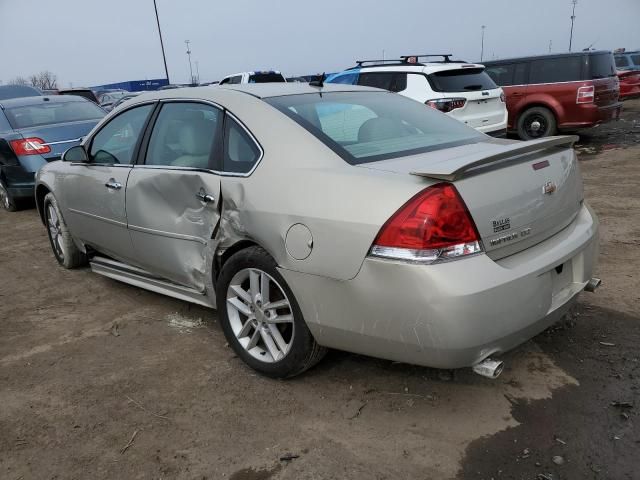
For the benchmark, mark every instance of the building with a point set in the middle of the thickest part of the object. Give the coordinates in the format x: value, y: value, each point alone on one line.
x: 134, y: 85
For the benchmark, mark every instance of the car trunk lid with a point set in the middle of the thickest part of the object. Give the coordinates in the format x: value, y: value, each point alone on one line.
x: 518, y: 194
x: 481, y: 108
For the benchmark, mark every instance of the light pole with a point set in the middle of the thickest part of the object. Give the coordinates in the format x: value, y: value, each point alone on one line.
x: 190, y: 67
x: 482, y: 44
x: 573, y: 18
x: 197, y: 73
x: 164, y: 58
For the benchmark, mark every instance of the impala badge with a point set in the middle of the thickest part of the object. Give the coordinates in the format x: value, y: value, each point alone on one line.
x: 549, y: 188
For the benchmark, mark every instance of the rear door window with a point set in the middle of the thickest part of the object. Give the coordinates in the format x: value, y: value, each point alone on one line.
x: 184, y: 135
x: 461, y: 80
x: 501, y: 74
x: 601, y: 65
x: 622, y: 61
x: 552, y: 70
x: 392, y: 81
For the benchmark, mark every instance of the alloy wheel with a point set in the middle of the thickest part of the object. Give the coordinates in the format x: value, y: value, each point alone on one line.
x: 53, y: 223
x: 260, y: 315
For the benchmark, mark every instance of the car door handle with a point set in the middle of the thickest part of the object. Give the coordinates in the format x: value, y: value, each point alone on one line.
x: 205, y: 197
x: 113, y: 184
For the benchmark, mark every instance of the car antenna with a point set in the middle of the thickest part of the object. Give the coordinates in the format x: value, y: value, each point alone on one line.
x: 319, y: 82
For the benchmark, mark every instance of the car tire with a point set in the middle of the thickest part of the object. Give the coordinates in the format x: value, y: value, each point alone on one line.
x: 536, y: 122
x: 7, y: 202
x: 248, y: 323
x: 64, y: 248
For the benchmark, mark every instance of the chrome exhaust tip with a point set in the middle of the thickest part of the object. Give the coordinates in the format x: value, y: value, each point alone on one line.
x: 592, y: 284
x: 489, y: 368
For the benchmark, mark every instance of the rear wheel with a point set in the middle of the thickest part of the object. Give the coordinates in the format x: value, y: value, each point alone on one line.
x: 536, y: 122
x: 261, y: 318
x: 63, y: 246
x: 6, y: 200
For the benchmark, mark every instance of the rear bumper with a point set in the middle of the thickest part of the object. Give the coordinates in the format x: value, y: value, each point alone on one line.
x: 591, y: 115
x: 454, y: 314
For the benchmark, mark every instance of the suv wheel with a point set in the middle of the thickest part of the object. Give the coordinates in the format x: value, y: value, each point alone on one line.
x: 261, y: 318
x: 536, y: 122
x: 64, y: 249
x: 6, y: 201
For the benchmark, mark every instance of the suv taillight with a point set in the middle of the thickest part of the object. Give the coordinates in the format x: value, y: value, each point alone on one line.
x: 586, y: 94
x: 446, y: 104
x: 434, y: 225
x: 29, y: 146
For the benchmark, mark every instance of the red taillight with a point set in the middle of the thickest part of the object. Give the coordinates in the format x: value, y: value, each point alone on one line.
x: 29, y: 146
x: 433, y: 225
x: 446, y: 104
x: 586, y: 94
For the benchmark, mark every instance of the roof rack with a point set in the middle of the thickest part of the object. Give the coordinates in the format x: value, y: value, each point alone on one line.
x: 383, y: 61
x: 415, y: 58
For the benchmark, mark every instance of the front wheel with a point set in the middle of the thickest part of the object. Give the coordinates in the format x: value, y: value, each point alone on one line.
x: 64, y: 249
x: 536, y: 122
x: 261, y: 318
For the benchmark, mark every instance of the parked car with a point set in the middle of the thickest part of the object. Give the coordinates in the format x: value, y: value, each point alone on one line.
x: 18, y: 91
x: 627, y: 60
x: 81, y: 92
x: 124, y: 98
x: 379, y: 226
x: 461, y: 90
x: 267, y: 76
x: 36, y: 130
x: 629, y: 84
x: 109, y: 99
x: 559, y: 92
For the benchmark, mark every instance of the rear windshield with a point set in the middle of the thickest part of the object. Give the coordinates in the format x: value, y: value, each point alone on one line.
x: 602, y: 66
x: 461, y: 80
x: 266, y: 78
x: 365, y: 127
x: 17, y: 91
x: 48, y: 113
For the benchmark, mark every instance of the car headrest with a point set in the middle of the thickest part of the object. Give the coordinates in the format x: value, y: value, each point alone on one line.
x: 381, y: 128
x: 195, y: 137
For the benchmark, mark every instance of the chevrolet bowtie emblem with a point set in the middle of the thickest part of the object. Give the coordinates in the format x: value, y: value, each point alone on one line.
x: 548, y: 188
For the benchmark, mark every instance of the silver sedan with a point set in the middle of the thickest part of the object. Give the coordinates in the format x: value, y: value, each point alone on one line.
x: 317, y: 217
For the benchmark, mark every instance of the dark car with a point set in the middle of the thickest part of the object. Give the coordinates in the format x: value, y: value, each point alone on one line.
x: 560, y: 92
x: 81, y: 92
x: 17, y: 91
x: 36, y: 130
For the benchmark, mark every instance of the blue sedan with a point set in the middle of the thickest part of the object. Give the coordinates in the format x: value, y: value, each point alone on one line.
x: 34, y: 131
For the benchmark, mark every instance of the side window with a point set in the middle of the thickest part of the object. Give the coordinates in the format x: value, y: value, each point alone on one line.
x: 235, y: 80
x: 116, y: 142
x: 635, y: 59
x: 346, y: 79
x: 621, y: 61
x: 392, y: 81
x: 224, y: 81
x: 184, y: 135
x: 520, y: 74
x: 551, y: 70
x: 501, y: 74
x: 240, y: 151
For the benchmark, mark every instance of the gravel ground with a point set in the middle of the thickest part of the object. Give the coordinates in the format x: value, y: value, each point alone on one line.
x: 104, y: 380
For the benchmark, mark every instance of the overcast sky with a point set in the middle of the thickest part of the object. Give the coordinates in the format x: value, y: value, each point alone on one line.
x: 91, y: 42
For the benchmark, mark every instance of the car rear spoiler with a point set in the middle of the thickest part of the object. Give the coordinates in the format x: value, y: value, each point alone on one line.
x: 456, y: 168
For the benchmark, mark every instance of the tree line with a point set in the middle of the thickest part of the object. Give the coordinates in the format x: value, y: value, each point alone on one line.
x: 44, y: 80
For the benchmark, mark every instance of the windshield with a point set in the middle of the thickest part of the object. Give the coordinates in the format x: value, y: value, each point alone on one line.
x: 266, y: 78
x: 461, y: 80
x: 365, y: 127
x: 48, y: 113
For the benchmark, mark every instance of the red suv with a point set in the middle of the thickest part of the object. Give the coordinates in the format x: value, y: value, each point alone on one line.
x: 568, y: 91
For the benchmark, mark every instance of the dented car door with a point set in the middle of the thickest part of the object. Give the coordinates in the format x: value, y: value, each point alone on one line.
x: 172, y: 198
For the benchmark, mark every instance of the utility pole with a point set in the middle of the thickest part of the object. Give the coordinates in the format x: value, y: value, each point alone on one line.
x: 164, y: 58
x: 482, y: 44
x: 190, y: 67
x: 573, y: 18
x: 197, y: 73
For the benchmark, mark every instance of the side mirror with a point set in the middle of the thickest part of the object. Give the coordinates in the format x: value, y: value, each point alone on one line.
x: 76, y: 154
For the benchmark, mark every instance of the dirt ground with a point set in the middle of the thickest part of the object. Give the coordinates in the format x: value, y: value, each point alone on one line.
x: 103, y: 380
